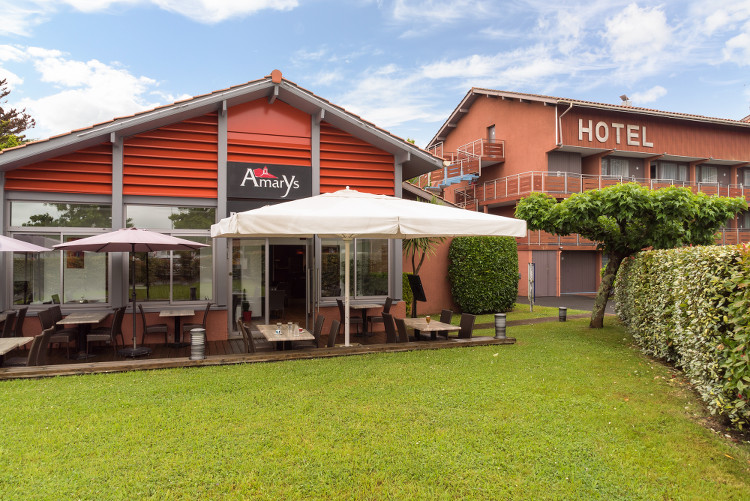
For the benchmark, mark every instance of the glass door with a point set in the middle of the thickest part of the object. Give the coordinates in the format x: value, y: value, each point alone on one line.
x: 248, y: 280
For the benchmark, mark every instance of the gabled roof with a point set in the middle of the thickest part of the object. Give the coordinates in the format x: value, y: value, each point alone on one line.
x: 415, y: 160
x: 475, y: 92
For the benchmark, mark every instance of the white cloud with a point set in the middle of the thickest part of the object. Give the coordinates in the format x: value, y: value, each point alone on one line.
x: 20, y: 19
x: 638, y: 37
x: 441, y: 11
x: 86, y: 92
x: 649, y: 96
x: 214, y: 11
x: 737, y: 49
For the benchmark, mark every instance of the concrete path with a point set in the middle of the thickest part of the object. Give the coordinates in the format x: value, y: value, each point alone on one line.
x: 570, y: 301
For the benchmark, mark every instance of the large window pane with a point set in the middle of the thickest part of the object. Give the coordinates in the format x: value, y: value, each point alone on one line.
x: 85, y: 275
x: 372, y: 267
x: 248, y: 277
x: 152, y: 276
x: 192, y: 273
x: 36, y: 276
x: 332, y: 268
x: 58, y: 215
x: 170, y: 218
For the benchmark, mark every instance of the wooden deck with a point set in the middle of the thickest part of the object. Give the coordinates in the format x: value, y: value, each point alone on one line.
x: 219, y: 353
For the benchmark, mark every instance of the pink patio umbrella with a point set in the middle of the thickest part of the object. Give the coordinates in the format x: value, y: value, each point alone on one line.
x: 8, y: 244
x: 130, y: 240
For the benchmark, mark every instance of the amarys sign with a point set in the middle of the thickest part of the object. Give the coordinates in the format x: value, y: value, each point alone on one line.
x: 268, y: 181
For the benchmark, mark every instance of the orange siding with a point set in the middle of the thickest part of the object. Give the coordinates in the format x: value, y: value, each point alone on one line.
x: 85, y: 171
x: 348, y: 161
x: 177, y: 160
x: 275, y: 133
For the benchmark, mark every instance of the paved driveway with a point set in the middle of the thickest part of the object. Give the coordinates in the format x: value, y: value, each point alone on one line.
x: 570, y: 301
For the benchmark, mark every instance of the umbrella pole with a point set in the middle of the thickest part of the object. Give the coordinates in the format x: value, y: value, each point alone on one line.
x: 347, y: 241
x: 134, y: 351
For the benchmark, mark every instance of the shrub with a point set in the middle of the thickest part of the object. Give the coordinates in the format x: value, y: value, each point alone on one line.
x: 689, y: 306
x: 408, y: 296
x: 483, y: 273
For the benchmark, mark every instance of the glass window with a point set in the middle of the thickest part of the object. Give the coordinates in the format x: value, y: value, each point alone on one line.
x: 174, y: 275
x: 671, y: 171
x: 614, y: 166
x: 56, y: 215
x: 746, y: 177
x: 368, y: 264
x: 709, y: 174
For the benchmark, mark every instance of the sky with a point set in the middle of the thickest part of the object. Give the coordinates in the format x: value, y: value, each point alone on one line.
x: 401, y: 64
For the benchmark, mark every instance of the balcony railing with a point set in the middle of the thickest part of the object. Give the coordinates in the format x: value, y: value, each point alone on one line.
x: 566, y: 183
x: 725, y: 236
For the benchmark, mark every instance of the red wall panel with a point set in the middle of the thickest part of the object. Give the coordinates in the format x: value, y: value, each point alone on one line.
x: 348, y: 161
x: 85, y: 171
x: 178, y: 160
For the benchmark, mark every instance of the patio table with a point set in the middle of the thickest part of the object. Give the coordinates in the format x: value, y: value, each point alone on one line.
x: 11, y: 343
x: 284, y: 336
x: 364, y: 307
x: 420, y: 325
x: 84, y: 320
x: 177, y: 313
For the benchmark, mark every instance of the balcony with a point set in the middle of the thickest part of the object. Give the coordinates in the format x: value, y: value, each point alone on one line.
x: 465, y: 164
x: 563, y: 184
x: 541, y: 239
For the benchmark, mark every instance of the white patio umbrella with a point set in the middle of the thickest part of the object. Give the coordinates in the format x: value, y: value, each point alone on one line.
x: 130, y: 240
x: 348, y: 214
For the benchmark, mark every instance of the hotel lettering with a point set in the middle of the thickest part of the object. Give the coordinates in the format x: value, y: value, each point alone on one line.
x: 631, y: 135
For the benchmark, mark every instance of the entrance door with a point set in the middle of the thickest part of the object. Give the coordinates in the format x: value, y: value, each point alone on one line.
x: 288, y: 295
x: 578, y: 272
x: 248, y: 280
x: 545, y: 266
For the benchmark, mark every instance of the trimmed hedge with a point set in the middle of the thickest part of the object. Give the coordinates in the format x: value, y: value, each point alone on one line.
x: 690, y: 307
x: 483, y: 273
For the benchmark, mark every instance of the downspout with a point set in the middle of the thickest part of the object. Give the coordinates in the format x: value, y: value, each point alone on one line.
x: 559, y: 124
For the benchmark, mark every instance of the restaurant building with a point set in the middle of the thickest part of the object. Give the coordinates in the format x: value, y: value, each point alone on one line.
x: 177, y: 169
x: 500, y: 146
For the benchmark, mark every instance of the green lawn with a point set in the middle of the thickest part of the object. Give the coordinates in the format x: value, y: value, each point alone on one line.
x: 566, y: 413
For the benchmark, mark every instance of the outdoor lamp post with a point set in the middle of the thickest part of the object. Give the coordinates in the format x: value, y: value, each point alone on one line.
x: 500, y: 323
x: 563, y: 314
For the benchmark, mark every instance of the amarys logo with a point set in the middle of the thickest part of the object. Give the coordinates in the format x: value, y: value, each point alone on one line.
x: 261, y: 178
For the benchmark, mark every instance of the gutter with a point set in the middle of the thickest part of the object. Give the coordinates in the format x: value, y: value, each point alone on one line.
x: 558, y: 125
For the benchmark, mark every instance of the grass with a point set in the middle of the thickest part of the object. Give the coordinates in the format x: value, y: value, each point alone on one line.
x: 519, y: 312
x: 566, y: 413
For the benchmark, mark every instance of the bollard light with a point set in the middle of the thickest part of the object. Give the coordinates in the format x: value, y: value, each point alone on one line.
x: 197, y: 344
x: 500, y: 325
x: 563, y: 316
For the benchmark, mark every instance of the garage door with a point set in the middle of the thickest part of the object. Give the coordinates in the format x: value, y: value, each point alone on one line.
x: 578, y: 272
x: 545, y: 269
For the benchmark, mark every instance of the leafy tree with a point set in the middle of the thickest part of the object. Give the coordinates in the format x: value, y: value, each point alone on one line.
x: 626, y: 218
x: 12, y: 121
x: 73, y: 215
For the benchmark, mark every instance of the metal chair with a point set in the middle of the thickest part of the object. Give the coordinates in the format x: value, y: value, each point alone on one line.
x: 403, y: 334
x: 114, y: 331
x: 247, y: 337
x: 467, y: 325
x: 353, y: 320
x: 317, y: 331
x: 153, y: 328
x: 8, y: 325
x: 390, y: 328
x: 37, y: 352
x: 49, y: 318
x: 333, y: 333
x: 20, y: 317
x: 379, y: 318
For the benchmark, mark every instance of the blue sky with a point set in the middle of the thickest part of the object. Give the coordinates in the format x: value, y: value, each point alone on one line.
x: 402, y: 64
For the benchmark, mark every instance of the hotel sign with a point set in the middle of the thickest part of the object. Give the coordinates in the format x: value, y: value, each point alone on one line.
x: 268, y: 181
x: 632, y: 135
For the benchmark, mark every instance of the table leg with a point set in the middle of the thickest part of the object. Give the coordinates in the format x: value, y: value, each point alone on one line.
x: 178, y: 334
x: 81, y: 354
x: 364, y: 322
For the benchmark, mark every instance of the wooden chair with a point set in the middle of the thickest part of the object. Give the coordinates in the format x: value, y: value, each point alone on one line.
x: 317, y: 331
x: 20, y: 317
x: 379, y: 318
x: 333, y: 333
x: 8, y: 330
x: 390, y: 328
x: 403, y: 334
x: 153, y: 328
x: 111, y: 336
x: 37, y: 352
x: 467, y: 325
x: 353, y: 320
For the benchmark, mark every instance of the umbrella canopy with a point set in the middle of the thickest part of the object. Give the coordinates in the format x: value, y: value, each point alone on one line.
x: 348, y: 214
x: 130, y: 240
x: 8, y: 244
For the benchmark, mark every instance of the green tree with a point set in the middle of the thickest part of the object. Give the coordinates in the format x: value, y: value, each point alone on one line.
x: 626, y: 218
x: 13, y: 123
x: 73, y: 215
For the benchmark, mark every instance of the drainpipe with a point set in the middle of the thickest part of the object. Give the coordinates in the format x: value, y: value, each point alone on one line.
x: 559, y: 125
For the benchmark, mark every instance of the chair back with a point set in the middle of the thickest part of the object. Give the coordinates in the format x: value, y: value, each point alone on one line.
x: 56, y: 312
x: 318, y: 329
x: 403, y: 335
x: 387, y: 305
x: 143, y: 316
x: 205, y: 315
x: 247, y: 337
x: 18, y: 329
x: 46, y: 318
x: 446, y: 316
x: 390, y: 328
x: 467, y: 325
x: 38, y: 353
x: 8, y: 325
x: 333, y: 333
x: 340, y: 304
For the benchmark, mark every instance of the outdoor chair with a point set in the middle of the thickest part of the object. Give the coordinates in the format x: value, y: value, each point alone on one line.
x: 333, y: 333
x: 8, y: 325
x: 353, y: 320
x: 114, y: 330
x: 153, y: 328
x: 467, y: 325
x: 37, y: 352
x: 188, y: 327
x: 390, y: 328
x: 403, y: 334
x: 445, y: 317
x: 49, y: 318
x: 20, y: 317
x: 247, y: 337
x: 317, y: 331
x: 379, y: 318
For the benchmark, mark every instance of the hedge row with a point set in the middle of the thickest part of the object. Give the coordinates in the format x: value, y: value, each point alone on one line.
x: 691, y: 306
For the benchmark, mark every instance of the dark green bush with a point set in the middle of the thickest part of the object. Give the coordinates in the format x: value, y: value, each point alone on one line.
x: 408, y: 296
x: 483, y: 273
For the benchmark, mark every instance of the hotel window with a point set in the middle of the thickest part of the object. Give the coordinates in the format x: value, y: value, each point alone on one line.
x: 671, y: 171
x: 743, y: 220
x: 59, y: 276
x: 745, y: 177
x: 616, y: 166
x: 368, y: 265
x: 174, y: 275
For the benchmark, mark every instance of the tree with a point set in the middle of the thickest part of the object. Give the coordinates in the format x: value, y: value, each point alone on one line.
x: 626, y: 218
x: 12, y: 122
